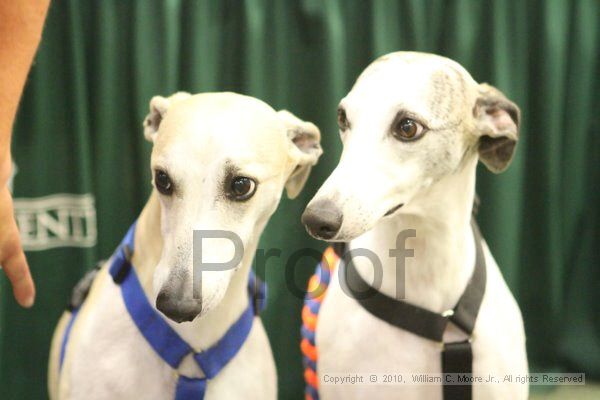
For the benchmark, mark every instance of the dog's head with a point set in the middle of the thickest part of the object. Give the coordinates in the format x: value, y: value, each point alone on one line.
x: 410, y: 120
x: 220, y: 162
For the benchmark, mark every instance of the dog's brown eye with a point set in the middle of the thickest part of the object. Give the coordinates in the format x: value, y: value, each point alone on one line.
x: 242, y: 188
x: 163, y: 183
x: 407, y: 129
x: 342, y: 120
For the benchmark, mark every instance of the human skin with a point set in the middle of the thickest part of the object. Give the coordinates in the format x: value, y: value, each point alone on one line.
x: 21, y: 24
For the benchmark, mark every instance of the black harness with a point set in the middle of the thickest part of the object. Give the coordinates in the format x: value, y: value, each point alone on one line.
x: 457, y: 357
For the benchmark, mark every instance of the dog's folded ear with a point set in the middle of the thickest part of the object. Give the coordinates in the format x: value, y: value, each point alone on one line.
x: 305, y: 148
x: 497, y: 122
x: 158, y: 108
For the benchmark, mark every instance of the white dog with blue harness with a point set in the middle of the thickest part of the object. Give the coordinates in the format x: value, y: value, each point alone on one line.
x: 137, y: 328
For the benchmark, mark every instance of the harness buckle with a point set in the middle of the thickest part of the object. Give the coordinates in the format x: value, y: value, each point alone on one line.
x: 123, y: 269
x: 448, y: 313
x: 257, y: 290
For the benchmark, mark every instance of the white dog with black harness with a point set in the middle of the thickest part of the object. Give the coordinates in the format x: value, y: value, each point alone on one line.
x: 220, y: 161
x: 413, y: 128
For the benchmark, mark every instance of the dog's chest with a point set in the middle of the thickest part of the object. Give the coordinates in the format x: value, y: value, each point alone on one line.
x: 108, y: 353
x: 351, y: 340
x: 348, y: 335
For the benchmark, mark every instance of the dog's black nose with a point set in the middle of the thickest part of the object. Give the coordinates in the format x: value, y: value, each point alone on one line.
x: 177, y: 310
x: 322, y: 219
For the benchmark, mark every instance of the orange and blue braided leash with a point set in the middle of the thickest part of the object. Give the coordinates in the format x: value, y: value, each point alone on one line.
x: 317, y: 288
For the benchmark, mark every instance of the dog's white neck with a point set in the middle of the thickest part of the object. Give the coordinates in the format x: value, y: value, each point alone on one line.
x: 444, y: 251
x: 203, y: 332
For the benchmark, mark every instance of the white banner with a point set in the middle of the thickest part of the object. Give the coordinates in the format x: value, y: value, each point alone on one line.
x: 58, y: 220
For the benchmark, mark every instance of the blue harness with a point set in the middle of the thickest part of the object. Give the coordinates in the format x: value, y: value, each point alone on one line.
x: 159, y: 334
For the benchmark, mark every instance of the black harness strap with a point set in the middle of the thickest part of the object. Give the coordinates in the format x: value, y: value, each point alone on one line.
x: 457, y: 357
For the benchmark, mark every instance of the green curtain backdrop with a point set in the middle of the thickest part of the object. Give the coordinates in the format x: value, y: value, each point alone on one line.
x: 79, y: 132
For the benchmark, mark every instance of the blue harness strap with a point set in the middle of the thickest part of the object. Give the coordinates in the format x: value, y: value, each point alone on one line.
x: 190, y: 388
x: 163, y: 338
x: 65, y: 339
